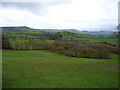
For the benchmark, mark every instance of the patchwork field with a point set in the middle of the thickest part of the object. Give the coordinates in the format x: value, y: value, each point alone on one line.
x: 45, y: 69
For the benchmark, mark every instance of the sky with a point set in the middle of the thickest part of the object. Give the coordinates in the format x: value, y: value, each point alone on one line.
x: 60, y: 14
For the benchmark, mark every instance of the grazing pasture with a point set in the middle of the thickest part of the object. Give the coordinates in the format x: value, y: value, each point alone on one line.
x: 45, y: 69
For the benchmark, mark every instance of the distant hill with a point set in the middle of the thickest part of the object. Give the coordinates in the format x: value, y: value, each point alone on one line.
x: 99, y: 32
x: 27, y: 29
x: 19, y: 29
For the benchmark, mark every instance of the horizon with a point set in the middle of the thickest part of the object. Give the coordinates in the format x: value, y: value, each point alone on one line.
x: 63, y: 29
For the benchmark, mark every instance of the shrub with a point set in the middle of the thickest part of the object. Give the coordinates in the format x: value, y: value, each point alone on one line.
x: 60, y: 48
x: 89, y: 52
x: 6, y: 44
x: 104, y: 54
x: 70, y: 53
x: 51, y: 47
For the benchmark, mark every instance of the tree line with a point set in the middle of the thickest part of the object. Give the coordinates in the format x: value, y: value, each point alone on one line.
x: 69, y: 48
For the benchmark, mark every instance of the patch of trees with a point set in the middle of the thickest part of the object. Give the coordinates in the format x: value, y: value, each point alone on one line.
x: 6, y: 44
x: 24, y: 44
x: 69, y: 48
x: 82, y: 50
x: 45, y: 36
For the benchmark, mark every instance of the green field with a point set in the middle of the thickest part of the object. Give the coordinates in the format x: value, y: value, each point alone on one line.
x: 0, y: 69
x: 44, y: 69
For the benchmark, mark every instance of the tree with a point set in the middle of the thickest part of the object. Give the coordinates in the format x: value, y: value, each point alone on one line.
x: 6, y: 44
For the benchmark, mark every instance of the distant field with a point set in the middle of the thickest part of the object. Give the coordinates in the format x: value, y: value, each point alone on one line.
x: 44, y: 69
x: 90, y: 38
x: 98, y: 39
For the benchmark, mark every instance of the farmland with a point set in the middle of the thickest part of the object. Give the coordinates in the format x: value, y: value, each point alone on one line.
x: 49, y: 58
x: 44, y: 69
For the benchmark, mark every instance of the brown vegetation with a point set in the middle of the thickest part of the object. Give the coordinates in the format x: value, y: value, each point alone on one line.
x: 84, y: 50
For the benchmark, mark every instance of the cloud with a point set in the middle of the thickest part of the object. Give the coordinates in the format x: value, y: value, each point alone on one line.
x: 76, y: 14
x: 34, y: 7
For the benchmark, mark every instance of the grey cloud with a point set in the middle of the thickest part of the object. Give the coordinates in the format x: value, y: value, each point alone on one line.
x: 34, y: 7
x: 29, y: 6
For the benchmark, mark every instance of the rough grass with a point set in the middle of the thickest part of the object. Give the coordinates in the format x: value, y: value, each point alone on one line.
x: 44, y: 69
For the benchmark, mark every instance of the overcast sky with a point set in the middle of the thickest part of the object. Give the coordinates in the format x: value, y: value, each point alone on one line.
x: 61, y: 14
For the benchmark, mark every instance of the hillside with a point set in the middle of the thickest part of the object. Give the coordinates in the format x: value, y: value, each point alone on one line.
x: 61, y: 34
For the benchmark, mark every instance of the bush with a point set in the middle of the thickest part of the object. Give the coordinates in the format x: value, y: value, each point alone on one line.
x: 70, y: 53
x: 60, y: 48
x: 6, y: 44
x: 89, y: 53
x: 104, y: 54
x: 51, y: 47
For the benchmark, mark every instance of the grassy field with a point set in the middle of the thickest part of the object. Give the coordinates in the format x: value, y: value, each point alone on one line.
x: 98, y: 39
x: 44, y: 69
x: 0, y: 69
x: 90, y: 38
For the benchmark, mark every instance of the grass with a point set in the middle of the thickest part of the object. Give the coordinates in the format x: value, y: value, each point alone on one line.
x: 99, y: 39
x: 90, y: 38
x: 44, y: 69
x: 0, y: 68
